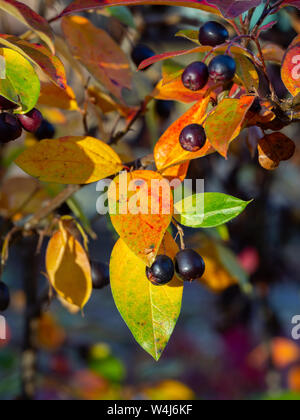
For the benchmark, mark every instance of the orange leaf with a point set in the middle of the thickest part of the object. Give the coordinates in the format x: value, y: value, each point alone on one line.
x: 176, y: 172
x: 131, y: 204
x: 290, y: 70
x: 68, y: 268
x: 168, y: 151
x: 99, y: 53
x: 53, y: 96
x: 225, y: 122
x: 274, y: 148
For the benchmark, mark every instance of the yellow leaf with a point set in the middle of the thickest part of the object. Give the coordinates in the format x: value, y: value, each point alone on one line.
x: 53, y: 96
x: 68, y: 268
x: 70, y: 160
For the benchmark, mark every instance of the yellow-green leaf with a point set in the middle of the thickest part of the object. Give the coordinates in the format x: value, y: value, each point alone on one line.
x: 70, y: 160
x: 150, y: 312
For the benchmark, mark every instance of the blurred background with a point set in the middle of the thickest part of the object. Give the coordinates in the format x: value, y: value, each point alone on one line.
x: 228, y: 344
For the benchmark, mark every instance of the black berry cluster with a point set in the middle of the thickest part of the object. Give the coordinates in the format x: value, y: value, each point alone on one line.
x: 188, y: 266
x: 12, y: 125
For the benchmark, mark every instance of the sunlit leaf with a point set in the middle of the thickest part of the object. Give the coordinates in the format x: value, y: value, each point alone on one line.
x: 190, y: 34
x: 225, y: 122
x: 70, y: 160
x: 68, y: 268
x: 141, y: 208
x: 151, y: 312
x: 53, y: 96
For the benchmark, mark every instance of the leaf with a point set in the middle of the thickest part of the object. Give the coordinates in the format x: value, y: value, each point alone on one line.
x: 39, y: 55
x: 207, y: 210
x: 274, y: 148
x: 70, y: 160
x: 150, y: 312
x: 80, y: 5
x: 30, y: 18
x: 99, y: 53
x: 168, y: 151
x: 176, y: 172
x: 68, y: 268
x: 225, y: 122
x: 233, y: 8
x: 290, y: 70
x: 273, y: 53
x: 23, y: 82
x: 132, y: 198
x: 190, y: 34
x: 123, y: 14
x: 53, y: 96
x: 246, y: 72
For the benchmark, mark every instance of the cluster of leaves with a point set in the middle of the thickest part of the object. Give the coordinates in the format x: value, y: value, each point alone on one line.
x: 35, y: 75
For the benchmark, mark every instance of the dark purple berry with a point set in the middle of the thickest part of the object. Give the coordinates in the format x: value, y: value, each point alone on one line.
x: 195, y: 76
x: 222, y: 68
x: 213, y: 33
x: 192, y: 138
x: 162, y: 271
x: 46, y: 131
x: 100, y: 275
x: 189, y: 265
x: 4, y: 296
x: 31, y: 121
x: 140, y: 53
x: 6, y: 104
x: 10, y: 129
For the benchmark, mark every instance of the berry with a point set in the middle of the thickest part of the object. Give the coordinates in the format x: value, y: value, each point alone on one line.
x: 4, y: 296
x: 222, y: 68
x: 7, y: 104
x: 31, y: 121
x: 140, y: 53
x: 213, y: 33
x: 189, y: 265
x: 46, y: 130
x: 162, y: 271
x: 100, y: 275
x: 10, y: 128
x: 195, y: 76
x: 192, y: 138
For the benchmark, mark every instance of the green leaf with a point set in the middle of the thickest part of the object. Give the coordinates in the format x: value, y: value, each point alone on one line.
x: 150, y: 312
x: 22, y: 84
x: 123, y: 14
x: 190, y: 34
x: 216, y: 210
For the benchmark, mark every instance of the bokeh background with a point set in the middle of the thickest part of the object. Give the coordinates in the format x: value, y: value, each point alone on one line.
x: 227, y: 345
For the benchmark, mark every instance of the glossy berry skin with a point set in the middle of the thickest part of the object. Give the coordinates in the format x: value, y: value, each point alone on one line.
x: 189, y: 265
x: 222, y: 68
x: 140, y: 53
x: 10, y: 129
x: 45, y: 131
x: 195, y: 76
x: 212, y: 34
x: 162, y: 271
x: 6, y: 104
x: 192, y: 138
x: 31, y: 121
x: 100, y: 275
x: 4, y: 296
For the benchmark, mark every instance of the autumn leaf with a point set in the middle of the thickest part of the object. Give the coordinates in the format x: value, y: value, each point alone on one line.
x: 68, y: 268
x: 99, y: 53
x: 274, y: 148
x: 38, y: 55
x: 141, y: 208
x: 29, y: 17
x: 176, y: 172
x: 53, y: 96
x: 233, y: 8
x: 290, y: 69
x: 70, y: 160
x: 150, y: 312
x: 273, y: 53
x: 246, y: 73
x: 168, y: 151
x: 225, y: 122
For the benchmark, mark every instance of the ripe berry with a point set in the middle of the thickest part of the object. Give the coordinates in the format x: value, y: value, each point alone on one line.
x: 100, y: 275
x: 162, y: 271
x: 195, y: 76
x: 7, y: 104
x: 213, y: 33
x: 4, y: 296
x: 46, y: 131
x: 31, y: 121
x: 10, y: 128
x: 189, y: 265
x: 140, y: 53
x: 222, y: 68
x: 192, y: 138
